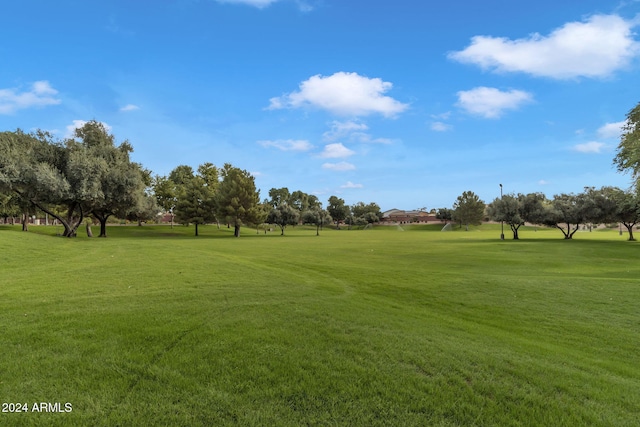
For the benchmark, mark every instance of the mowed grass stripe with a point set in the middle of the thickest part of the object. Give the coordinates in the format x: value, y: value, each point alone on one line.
x: 373, y: 327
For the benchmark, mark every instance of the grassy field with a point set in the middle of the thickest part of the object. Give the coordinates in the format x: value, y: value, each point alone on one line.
x: 389, y: 326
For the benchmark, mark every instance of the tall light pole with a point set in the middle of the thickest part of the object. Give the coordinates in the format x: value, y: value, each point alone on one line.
x: 501, y: 221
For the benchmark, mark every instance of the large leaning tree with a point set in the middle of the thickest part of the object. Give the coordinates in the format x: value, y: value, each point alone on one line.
x: 68, y: 180
x: 47, y: 175
x: 119, y: 183
x: 237, y: 200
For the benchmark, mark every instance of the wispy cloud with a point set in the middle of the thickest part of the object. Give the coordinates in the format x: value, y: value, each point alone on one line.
x: 611, y: 130
x: 288, y: 144
x: 490, y: 102
x: 336, y: 151
x: 303, y: 5
x: 344, y: 129
x: 260, y: 4
x: 339, y: 167
x: 353, y: 131
x: 589, y: 147
x: 440, y: 126
x: 596, y: 47
x: 350, y: 184
x: 130, y: 107
x: 41, y: 94
x: 343, y: 94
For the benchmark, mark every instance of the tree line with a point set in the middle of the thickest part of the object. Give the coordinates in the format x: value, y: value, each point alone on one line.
x: 566, y: 212
x: 90, y: 176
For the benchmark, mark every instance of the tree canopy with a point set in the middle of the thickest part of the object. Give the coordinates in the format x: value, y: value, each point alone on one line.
x: 237, y: 199
x: 468, y: 209
x: 627, y: 158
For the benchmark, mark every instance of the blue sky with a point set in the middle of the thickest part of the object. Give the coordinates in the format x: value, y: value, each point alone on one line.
x: 405, y: 103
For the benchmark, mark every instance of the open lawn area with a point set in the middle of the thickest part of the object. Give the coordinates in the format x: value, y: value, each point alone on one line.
x: 388, y: 326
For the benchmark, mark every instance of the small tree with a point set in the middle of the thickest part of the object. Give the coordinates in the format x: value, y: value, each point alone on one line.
x: 338, y: 210
x: 509, y: 209
x: 237, y: 199
x: 566, y: 212
x: 444, y: 214
x: 627, y: 208
x: 166, y: 195
x: 468, y: 209
x: 283, y: 215
x: 196, y: 202
x: 318, y: 217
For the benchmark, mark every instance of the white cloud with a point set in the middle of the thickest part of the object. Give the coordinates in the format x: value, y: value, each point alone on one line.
x: 288, y: 144
x: 130, y: 107
x: 41, y: 94
x: 589, y: 147
x: 594, y: 48
x: 490, y: 102
x: 543, y: 182
x: 350, y: 184
x: 336, y: 151
x: 441, y: 116
x: 344, y: 129
x: 71, y: 129
x: 260, y: 4
x: 345, y: 94
x: 353, y: 131
x: 340, y: 167
x: 440, y: 127
x: 611, y: 130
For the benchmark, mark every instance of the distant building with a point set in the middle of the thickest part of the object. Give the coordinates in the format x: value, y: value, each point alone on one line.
x: 407, y: 217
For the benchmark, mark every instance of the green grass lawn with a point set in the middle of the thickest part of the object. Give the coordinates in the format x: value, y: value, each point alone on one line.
x: 389, y: 326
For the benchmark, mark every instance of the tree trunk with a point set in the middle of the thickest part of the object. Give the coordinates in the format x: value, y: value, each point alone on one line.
x: 69, y: 225
x: 317, y: 230
x: 630, y: 229
x: 25, y: 222
x: 236, y: 230
x: 196, y: 224
x: 89, y: 232
x: 515, y: 228
x: 103, y: 223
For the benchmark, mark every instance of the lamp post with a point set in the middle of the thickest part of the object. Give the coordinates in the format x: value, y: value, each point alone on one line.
x: 501, y: 221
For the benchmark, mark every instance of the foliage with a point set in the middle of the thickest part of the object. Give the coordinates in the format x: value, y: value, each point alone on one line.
x: 444, y: 214
x: 338, y: 210
x: 316, y: 216
x: 468, y: 209
x: 283, y: 215
x: 237, y: 199
x: 366, y: 214
x: 624, y: 207
x: 120, y: 184
x: 627, y: 158
x: 166, y: 194
x: 196, y: 203
x: 508, y: 208
x: 279, y: 196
